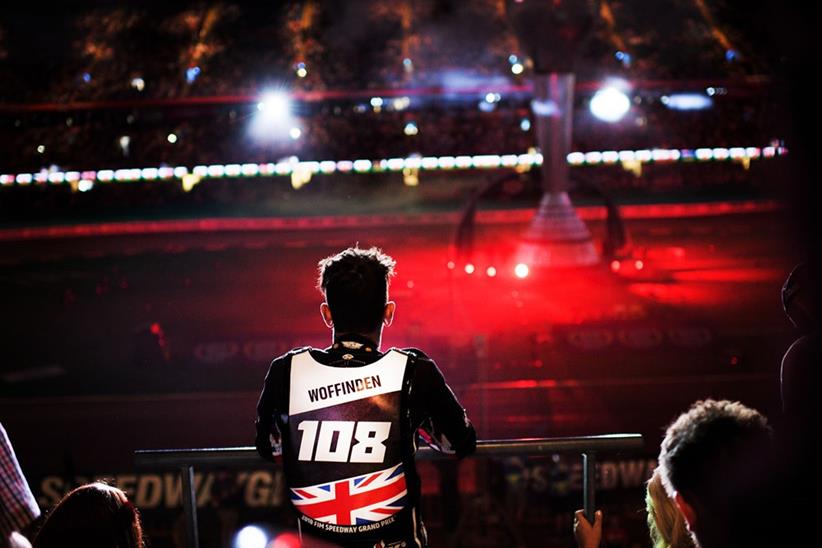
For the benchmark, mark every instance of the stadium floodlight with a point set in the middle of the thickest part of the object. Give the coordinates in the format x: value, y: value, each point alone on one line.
x: 610, y: 104
x: 274, y: 119
x: 275, y: 105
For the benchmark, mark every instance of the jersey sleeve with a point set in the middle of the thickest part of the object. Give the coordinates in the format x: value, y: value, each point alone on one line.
x: 442, y: 421
x: 272, y: 403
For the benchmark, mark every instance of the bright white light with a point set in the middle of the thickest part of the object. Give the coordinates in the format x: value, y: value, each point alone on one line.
x: 376, y: 102
x: 525, y: 124
x: 517, y: 68
x: 251, y: 536
x: 84, y: 185
x: 302, y: 72
x: 450, y: 265
x: 610, y: 104
x: 521, y: 270
x: 274, y: 119
x: 491, y: 271
x: 138, y: 83
x: 295, y: 133
x: 469, y: 268
x: 41, y: 149
x: 410, y: 129
x: 125, y: 140
x: 172, y: 138
x: 492, y: 97
x: 274, y: 104
x: 687, y: 101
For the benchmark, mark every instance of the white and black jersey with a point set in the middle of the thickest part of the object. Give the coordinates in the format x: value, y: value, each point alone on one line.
x: 345, y: 421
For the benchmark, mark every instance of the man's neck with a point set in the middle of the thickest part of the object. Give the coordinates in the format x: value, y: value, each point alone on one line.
x: 374, y: 337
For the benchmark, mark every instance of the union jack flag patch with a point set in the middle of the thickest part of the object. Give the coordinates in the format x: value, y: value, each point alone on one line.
x: 359, y: 500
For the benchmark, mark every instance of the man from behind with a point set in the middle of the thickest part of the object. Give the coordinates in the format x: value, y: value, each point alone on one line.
x: 716, y: 464
x: 345, y: 419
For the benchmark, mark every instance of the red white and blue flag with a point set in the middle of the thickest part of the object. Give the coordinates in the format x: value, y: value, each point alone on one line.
x: 354, y: 501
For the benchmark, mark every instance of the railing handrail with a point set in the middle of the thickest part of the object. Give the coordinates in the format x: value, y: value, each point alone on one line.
x: 236, y: 457
x: 185, y: 460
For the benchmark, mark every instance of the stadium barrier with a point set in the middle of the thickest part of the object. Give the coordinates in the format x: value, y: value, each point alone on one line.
x: 185, y: 460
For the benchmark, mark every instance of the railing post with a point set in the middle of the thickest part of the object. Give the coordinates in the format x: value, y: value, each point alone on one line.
x: 589, y: 484
x: 190, y: 506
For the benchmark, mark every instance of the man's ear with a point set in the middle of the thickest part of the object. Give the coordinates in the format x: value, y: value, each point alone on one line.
x: 388, y: 313
x: 326, y: 314
x: 686, y: 510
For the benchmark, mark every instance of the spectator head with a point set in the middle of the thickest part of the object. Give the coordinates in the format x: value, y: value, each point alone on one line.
x: 797, y: 297
x: 355, y: 283
x: 93, y: 516
x: 713, y: 463
x: 665, y: 521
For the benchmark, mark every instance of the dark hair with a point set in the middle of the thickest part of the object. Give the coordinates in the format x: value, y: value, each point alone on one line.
x: 93, y: 516
x: 355, y: 285
x: 716, y: 456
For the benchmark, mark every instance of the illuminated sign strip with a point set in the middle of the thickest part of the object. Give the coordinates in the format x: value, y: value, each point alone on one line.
x: 426, y: 163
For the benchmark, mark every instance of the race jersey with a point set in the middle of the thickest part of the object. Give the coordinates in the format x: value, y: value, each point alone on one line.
x: 347, y: 420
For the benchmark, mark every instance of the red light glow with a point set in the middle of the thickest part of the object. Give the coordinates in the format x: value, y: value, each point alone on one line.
x: 639, y: 264
x: 615, y: 265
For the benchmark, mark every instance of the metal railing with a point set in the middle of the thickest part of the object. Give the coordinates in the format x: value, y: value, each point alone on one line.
x: 185, y: 460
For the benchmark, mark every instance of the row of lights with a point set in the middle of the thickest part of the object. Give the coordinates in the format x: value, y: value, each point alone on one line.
x: 521, y: 270
x: 482, y: 161
x: 674, y: 155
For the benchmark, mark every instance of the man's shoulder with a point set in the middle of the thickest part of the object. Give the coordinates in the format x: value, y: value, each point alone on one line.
x: 417, y: 358
x: 412, y: 351
x: 286, y: 358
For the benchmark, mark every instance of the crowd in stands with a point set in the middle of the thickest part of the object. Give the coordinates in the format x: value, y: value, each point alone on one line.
x: 115, y: 139
x: 196, y: 49
x: 135, y: 53
x: 162, y: 52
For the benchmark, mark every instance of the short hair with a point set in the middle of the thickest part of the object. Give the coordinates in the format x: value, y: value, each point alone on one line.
x: 665, y: 522
x: 355, y: 285
x: 714, y: 453
x: 95, y: 515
